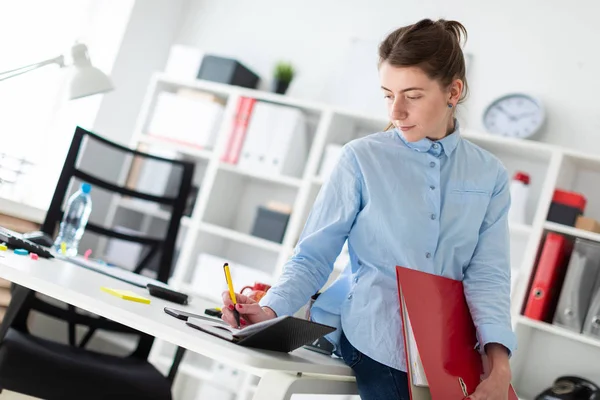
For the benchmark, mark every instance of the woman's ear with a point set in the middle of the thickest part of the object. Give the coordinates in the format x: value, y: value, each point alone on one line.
x: 456, y: 88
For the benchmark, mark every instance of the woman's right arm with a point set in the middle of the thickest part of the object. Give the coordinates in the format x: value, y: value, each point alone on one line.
x: 326, y: 229
x: 328, y: 224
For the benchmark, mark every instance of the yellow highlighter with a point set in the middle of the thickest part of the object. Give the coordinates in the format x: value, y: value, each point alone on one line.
x: 126, y: 295
x: 236, y: 313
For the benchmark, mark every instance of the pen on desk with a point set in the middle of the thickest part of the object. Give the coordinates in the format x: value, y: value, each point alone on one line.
x: 236, y: 313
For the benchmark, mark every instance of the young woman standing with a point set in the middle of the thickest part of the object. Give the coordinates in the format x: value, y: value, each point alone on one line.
x: 416, y: 195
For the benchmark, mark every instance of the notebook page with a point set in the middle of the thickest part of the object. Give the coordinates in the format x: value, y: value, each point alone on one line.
x: 418, y: 373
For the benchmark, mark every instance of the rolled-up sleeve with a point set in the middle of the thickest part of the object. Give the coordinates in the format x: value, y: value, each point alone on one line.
x: 328, y: 224
x: 487, y: 277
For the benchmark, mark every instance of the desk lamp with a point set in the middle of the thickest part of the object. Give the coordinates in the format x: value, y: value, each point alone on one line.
x: 86, y: 79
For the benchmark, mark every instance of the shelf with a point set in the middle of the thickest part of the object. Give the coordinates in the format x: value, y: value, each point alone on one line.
x: 240, y: 237
x: 283, y: 180
x: 518, y: 228
x: 571, y: 231
x: 179, y: 147
x: 149, y: 209
x: 317, y: 180
x: 558, y: 331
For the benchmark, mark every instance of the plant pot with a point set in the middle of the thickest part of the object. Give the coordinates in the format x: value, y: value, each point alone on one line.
x: 280, y: 87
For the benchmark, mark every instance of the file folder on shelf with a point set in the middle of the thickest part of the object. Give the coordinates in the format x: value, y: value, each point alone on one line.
x: 548, y: 278
x: 579, y: 285
x: 444, y: 336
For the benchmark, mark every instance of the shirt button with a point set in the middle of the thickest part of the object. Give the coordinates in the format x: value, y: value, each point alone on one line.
x: 433, y: 216
x: 356, y: 280
x: 432, y: 187
x: 428, y: 255
x: 432, y: 164
x: 349, y: 296
x: 435, y: 145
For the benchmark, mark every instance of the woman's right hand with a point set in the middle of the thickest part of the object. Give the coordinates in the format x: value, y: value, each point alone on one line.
x: 250, y: 311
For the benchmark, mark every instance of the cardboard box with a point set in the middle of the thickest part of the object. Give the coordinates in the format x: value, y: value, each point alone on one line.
x: 587, y: 224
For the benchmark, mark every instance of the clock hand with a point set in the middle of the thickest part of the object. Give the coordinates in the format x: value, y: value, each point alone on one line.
x: 525, y: 115
x: 512, y: 118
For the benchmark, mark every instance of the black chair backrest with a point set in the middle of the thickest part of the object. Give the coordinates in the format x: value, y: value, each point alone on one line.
x: 165, y: 245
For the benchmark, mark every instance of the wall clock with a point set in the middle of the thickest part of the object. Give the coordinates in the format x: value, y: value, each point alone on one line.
x: 515, y: 115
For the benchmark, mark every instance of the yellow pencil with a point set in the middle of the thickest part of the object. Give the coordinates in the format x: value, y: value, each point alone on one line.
x: 236, y: 313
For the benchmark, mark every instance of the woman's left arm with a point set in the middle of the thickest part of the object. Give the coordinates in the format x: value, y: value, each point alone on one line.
x: 487, y: 290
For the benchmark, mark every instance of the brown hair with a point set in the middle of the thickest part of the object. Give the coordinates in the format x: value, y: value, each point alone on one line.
x: 435, y: 47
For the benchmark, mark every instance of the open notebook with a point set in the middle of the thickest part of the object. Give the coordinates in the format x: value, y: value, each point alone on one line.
x: 283, y: 333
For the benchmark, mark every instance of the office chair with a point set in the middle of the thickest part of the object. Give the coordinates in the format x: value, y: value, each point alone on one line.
x: 42, y: 368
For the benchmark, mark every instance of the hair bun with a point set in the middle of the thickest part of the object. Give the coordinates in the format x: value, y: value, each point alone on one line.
x: 458, y: 31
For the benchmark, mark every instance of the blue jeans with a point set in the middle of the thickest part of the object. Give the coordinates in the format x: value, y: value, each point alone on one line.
x: 375, y: 381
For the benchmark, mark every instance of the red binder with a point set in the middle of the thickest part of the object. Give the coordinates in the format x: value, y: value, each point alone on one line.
x: 444, y: 334
x: 548, y: 278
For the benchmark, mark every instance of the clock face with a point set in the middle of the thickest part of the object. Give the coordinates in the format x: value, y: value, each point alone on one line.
x: 516, y: 115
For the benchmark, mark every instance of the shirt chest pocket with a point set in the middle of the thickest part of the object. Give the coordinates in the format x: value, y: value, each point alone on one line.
x: 467, y: 201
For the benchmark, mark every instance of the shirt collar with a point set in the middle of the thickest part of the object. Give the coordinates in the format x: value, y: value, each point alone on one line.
x: 446, y: 144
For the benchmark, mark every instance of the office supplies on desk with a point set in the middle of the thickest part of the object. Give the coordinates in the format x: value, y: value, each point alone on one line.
x: 214, y: 312
x: 121, y: 274
x: 444, y: 334
x: 236, y: 313
x: 283, y: 333
x: 184, y: 315
x: 167, y: 294
x: 126, y: 295
x: 15, y: 240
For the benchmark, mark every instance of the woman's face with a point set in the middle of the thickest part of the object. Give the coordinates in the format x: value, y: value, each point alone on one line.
x: 417, y: 105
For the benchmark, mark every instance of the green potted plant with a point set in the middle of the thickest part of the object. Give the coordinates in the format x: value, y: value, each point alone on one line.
x: 282, y: 76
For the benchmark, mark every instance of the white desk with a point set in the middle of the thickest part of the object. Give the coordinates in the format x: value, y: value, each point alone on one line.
x: 301, y: 371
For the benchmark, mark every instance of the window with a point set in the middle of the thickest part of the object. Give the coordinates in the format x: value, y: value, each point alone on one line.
x: 37, y: 121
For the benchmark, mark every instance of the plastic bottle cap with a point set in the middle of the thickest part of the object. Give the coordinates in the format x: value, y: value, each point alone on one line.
x: 522, y: 176
x: 21, y: 252
x: 86, y: 188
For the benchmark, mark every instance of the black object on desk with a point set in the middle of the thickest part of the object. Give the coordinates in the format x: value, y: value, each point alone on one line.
x: 167, y: 294
x: 184, y: 315
x: 285, y: 333
x: 15, y: 240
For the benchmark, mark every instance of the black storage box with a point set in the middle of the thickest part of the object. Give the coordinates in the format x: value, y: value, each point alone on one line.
x: 270, y: 224
x: 226, y: 70
x: 566, y: 207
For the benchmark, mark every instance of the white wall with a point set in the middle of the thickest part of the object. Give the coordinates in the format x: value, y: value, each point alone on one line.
x: 543, y: 47
x: 151, y: 29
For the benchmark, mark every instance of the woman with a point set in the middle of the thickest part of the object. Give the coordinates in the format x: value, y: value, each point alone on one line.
x: 419, y: 196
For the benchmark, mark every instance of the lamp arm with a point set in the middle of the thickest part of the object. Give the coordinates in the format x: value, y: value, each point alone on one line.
x: 60, y: 60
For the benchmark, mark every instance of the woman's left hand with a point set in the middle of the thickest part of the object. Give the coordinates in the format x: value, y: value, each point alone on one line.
x: 494, y: 387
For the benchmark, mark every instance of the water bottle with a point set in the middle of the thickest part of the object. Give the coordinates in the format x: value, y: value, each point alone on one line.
x: 519, y: 193
x: 74, y: 221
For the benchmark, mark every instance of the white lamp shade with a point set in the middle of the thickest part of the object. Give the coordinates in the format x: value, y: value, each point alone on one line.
x: 86, y: 79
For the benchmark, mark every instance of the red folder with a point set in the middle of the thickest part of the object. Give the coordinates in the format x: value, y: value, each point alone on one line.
x: 548, y: 278
x: 444, y: 334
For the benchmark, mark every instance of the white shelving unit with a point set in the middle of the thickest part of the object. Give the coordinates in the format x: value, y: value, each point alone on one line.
x: 225, y: 208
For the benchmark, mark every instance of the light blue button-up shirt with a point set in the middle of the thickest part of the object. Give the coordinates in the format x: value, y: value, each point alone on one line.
x: 436, y: 206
